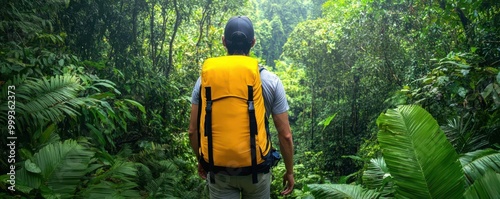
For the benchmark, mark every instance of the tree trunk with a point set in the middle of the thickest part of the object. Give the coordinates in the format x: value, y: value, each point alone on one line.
x: 171, y: 43
x: 204, y: 18
x: 465, y: 24
x: 152, y: 38
x: 164, y: 16
x: 354, y: 108
x: 134, y: 28
x: 313, y: 98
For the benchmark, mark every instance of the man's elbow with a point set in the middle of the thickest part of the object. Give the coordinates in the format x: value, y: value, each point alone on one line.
x: 192, y: 133
x: 286, y: 137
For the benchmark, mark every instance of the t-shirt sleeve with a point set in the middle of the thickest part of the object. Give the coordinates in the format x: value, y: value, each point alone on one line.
x: 280, y: 104
x: 195, y: 96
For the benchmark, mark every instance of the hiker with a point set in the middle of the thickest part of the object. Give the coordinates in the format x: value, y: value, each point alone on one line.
x: 228, y: 128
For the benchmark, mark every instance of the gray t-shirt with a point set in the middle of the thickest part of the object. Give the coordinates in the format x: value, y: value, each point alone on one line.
x: 274, y: 93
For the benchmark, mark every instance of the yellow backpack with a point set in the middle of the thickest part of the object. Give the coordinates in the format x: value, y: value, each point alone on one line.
x: 233, y: 136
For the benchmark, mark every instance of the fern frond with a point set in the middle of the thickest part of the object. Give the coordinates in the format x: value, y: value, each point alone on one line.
x: 144, y: 175
x: 162, y: 187
x: 118, y: 181
x: 168, y: 166
x: 120, y: 170
x: 107, y: 189
x: 42, y: 100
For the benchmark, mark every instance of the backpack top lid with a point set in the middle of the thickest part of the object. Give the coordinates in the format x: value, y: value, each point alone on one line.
x: 229, y: 75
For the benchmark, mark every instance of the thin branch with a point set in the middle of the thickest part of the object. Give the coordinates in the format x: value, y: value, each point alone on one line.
x: 171, y: 43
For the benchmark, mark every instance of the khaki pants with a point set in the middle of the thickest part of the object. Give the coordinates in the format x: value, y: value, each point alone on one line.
x: 236, y: 187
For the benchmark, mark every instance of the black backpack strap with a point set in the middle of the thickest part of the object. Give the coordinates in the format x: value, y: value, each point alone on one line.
x: 253, y: 133
x: 208, y: 130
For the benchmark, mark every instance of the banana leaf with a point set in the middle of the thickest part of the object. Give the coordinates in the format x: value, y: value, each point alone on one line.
x: 421, y: 160
x: 476, y: 163
x: 332, y: 191
x: 485, y: 187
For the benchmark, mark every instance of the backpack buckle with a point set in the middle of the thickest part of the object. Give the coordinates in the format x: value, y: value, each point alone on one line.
x: 251, y: 106
x: 209, y: 106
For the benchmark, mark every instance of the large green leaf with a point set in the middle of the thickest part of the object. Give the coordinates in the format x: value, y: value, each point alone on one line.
x: 136, y: 104
x: 327, y: 121
x: 420, y: 158
x: 476, y: 163
x: 62, y: 165
x: 485, y: 187
x: 332, y: 191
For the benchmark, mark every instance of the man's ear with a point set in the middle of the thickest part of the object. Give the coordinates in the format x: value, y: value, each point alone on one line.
x: 253, y: 42
x: 223, y: 41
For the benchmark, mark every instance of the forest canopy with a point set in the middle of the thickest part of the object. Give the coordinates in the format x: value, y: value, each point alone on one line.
x: 95, y: 95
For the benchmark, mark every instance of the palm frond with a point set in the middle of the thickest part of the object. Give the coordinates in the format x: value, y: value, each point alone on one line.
x: 144, y: 174
x: 62, y: 166
x: 52, y: 99
x: 476, y: 163
x: 332, y: 191
x: 49, y: 99
x: 45, y: 136
x: 122, y: 170
x: 377, y: 177
x: 485, y: 187
x: 162, y: 187
x: 118, y: 181
x: 167, y: 182
x: 420, y: 158
x: 460, y: 132
x: 108, y: 189
x: 23, y: 21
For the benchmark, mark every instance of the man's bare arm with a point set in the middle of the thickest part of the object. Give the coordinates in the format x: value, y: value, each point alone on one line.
x: 193, y: 129
x: 286, y: 148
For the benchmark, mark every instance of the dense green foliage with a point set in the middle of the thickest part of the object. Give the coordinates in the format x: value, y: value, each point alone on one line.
x: 102, y: 92
x: 418, y: 162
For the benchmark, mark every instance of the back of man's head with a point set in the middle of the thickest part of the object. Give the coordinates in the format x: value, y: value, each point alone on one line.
x: 239, y: 35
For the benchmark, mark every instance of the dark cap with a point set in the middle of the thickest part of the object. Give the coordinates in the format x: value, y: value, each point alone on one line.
x: 239, y: 29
